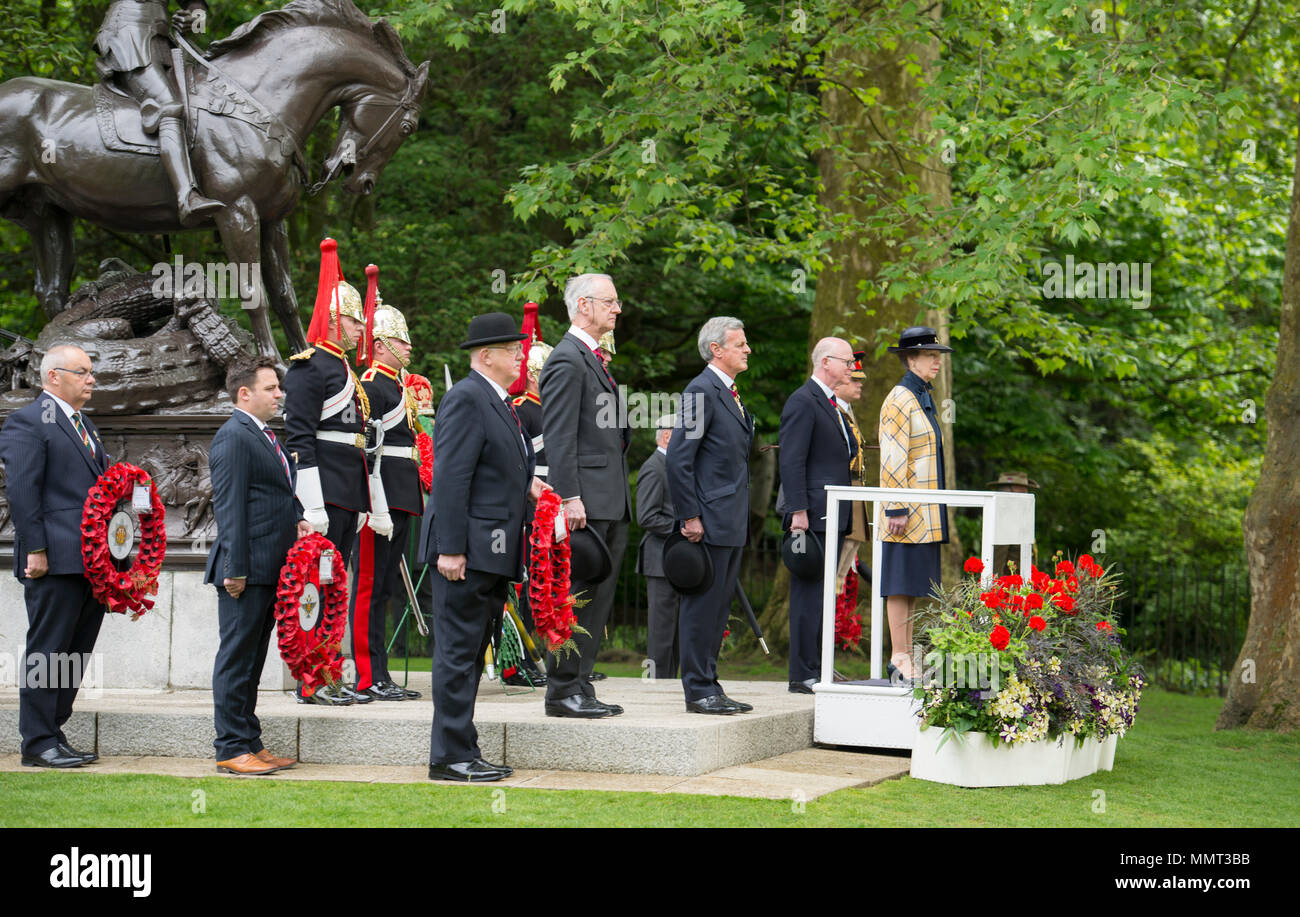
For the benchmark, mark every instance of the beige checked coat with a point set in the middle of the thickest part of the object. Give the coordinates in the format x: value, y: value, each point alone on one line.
x: 909, y: 457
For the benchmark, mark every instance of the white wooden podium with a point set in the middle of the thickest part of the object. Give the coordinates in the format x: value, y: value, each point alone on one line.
x: 874, y: 713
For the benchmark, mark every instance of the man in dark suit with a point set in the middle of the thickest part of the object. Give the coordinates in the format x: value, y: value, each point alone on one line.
x: 708, y: 477
x: 52, y: 457
x: 258, y: 520
x: 473, y: 536
x: 816, y: 449
x: 656, y: 515
x: 586, y: 447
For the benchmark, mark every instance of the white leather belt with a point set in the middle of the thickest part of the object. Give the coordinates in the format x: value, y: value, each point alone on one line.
x: 347, y: 439
x: 403, y: 452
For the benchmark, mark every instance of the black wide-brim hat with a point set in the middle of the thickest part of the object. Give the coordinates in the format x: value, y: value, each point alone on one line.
x: 589, y: 559
x: 491, y: 328
x: 919, y: 337
x: 802, y: 554
x: 687, y: 564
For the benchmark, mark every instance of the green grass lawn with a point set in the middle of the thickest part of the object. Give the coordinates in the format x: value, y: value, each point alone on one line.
x: 1172, y: 770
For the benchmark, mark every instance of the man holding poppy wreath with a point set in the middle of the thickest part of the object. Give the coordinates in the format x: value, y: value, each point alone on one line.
x: 52, y: 457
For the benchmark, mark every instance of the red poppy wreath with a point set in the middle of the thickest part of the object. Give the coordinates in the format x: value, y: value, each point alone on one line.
x: 311, y: 616
x: 106, y: 536
x: 548, y: 579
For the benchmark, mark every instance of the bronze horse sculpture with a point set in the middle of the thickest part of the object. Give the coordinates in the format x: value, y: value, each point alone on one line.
x: 253, y: 102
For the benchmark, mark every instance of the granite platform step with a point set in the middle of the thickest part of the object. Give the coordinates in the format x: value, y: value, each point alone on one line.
x: 654, y: 736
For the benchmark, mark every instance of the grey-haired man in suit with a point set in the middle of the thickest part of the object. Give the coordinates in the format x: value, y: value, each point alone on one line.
x: 708, y: 477
x: 52, y: 457
x: 656, y: 515
x: 586, y: 454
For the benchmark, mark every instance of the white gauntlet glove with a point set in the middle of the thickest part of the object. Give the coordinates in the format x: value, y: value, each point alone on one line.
x: 313, y: 502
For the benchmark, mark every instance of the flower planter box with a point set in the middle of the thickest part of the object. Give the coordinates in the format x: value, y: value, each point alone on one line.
x: 972, y: 760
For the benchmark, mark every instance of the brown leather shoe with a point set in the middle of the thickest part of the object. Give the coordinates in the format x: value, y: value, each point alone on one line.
x: 282, y: 763
x: 246, y: 765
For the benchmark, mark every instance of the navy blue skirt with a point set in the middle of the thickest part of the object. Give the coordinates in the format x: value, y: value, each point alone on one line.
x: 907, y: 569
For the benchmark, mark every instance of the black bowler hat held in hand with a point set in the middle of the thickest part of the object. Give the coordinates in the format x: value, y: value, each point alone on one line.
x: 589, y: 559
x: 687, y: 564
x: 802, y: 554
x: 491, y: 328
x: 919, y: 337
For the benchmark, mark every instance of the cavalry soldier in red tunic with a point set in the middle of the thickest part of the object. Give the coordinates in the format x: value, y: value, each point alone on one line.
x: 325, y: 413
x: 395, y: 489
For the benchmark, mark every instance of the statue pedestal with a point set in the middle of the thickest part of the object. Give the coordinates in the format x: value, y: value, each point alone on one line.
x: 173, y: 646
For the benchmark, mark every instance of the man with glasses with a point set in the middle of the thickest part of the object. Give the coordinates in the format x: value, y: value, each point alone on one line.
x: 586, y: 455
x: 52, y: 456
x: 817, y: 448
x: 472, y: 536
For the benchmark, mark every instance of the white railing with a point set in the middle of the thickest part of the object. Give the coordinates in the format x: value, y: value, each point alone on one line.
x: 1008, y: 519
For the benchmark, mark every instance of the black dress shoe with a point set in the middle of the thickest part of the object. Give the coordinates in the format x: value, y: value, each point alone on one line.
x: 523, y: 678
x: 802, y: 687
x: 581, y: 706
x: 383, y: 690
x: 476, y: 771
x: 739, y: 704
x: 410, y: 695
x: 597, y: 676
x: 69, y: 752
x: 323, y: 696
x: 505, y: 768
x: 714, y: 703
x: 357, y: 698
x: 53, y: 757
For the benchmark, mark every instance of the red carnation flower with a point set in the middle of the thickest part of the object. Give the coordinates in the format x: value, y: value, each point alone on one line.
x: 1103, y: 625
x: 1033, y: 601
x: 1065, y: 603
x: 1064, y: 567
x: 991, y: 599
x: 1000, y: 637
x: 1071, y: 584
x: 1055, y: 587
x: 974, y: 565
x: 1039, y: 579
x: 1010, y: 582
x: 1086, y: 561
x: 1037, y: 623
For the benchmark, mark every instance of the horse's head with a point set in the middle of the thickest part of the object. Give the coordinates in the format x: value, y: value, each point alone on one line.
x: 372, y: 125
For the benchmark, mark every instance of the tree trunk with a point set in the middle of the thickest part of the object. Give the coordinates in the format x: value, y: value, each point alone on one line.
x: 1264, y: 690
x: 857, y: 257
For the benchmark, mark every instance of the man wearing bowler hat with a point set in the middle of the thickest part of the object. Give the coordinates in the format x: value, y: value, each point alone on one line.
x: 708, y: 479
x: 473, y: 536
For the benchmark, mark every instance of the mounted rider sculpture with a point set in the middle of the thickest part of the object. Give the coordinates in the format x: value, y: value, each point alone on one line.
x: 173, y: 139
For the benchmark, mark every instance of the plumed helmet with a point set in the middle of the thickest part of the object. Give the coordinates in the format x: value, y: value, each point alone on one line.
x: 537, y: 355
x: 347, y: 301
x: 390, y: 324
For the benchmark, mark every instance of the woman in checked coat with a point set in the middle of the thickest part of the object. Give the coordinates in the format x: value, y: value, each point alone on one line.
x: 911, y: 455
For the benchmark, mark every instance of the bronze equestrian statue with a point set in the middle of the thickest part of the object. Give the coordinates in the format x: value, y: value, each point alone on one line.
x: 233, y: 124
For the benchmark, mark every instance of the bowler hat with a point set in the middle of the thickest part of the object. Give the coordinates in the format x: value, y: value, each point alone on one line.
x: 491, y: 328
x: 589, y: 559
x: 802, y: 554
x: 1013, y: 477
x: 687, y: 564
x: 919, y: 337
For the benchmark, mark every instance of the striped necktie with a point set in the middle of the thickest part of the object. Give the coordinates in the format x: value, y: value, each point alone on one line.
x: 280, y: 455
x: 85, y: 437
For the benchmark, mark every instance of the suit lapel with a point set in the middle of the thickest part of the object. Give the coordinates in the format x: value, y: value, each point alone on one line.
x: 834, y: 413
x: 61, y: 420
x: 593, y: 361
x: 729, y: 403
x: 256, y: 432
x: 503, y: 412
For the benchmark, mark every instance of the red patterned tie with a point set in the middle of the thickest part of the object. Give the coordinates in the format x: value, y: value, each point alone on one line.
x: 603, y: 356
x: 736, y: 396
x: 280, y: 455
